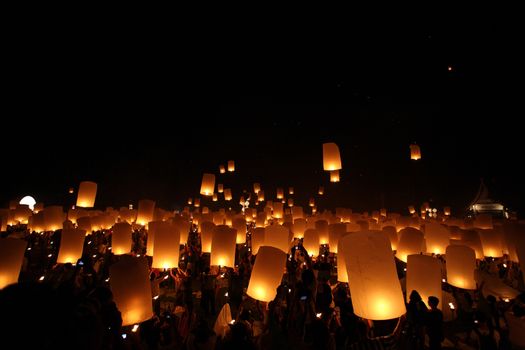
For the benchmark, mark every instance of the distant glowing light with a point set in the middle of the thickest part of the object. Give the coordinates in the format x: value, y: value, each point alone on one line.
x: 452, y: 307
x: 318, y: 315
x: 29, y: 201
x: 449, y: 68
x: 135, y: 327
x: 41, y: 278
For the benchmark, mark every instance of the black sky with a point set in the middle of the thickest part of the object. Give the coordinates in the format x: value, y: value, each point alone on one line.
x: 144, y: 117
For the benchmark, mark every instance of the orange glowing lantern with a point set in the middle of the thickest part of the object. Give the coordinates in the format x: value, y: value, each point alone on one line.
x: 197, y: 202
x: 342, y: 246
x: 260, y: 196
x: 411, y: 241
x: 166, y: 246
x: 223, y: 246
x: 256, y: 187
x: 437, y: 238
x: 53, y: 218
x: 311, y: 241
x: 334, y: 176
x: 87, y: 192
x: 222, y: 169
x: 278, y: 210
x: 11, y: 258
x: 277, y: 236
x: 145, y: 211
x: 266, y: 274
x: 415, y: 152
x: 321, y: 190
x: 492, y: 242
x: 322, y: 227
x: 280, y: 193
x: 331, y: 157
x: 391, y: 233
x: 424, y: 276
x: 297, y: 212
x: 231, y: 166
x: 206, y: 235
x: 447, y: 211
x: 227, y: 194
x: 121, y: 240
x: 71, y: 245
x: 129, y: 282
x: 461, y: 263
x: 372, y: 277
x: 220, y: 188
x: 298, y: 228
x: 239, y: 224
x: 335, y: 232
x: 258, y: 238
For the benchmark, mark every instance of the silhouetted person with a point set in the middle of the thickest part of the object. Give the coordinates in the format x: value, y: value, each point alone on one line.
x: 416, y: 314
x: 434, y: 324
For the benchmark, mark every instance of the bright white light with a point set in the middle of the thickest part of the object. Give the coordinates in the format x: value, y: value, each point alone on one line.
x: 135, y: 327
x: 124, y: 336
x: 29, y: 201
x: 319, y: 315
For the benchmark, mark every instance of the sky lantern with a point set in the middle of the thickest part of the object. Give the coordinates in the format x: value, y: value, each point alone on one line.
x: 437, y: 238
x: 223, y: 246
x: 415, y: 152
x: 331, y: 157
x: 447, y: 211
x: 277, y: 236
x: 71, y: 246
x: 129, y: 215
x: 22, y: 213
x: 220, y: 188
x: 311, y: 241
x: 206, y: 235
x: 280, y: 193
x: 353, y: 227
x: 215, y: 198
x: 11, y: 258
x: 512, y: 236
x: 166, y: 246
x: 322, y: 227
x: 411, y: 241
x: 183, y: 225
x: 208, y: 184
x: 290, y: 202
x: 152, y: 230
x: 334, y: 176
x: 53, y: 217
x: 391, y: 233
x: 342, y: 246
x: 372, y: 277
x: 222, y: 169
x: 87, y: 191
x: 278, y: 210
x: 239, y: 224
x: 424, y: 276
x: 197, y: 202
x: 129, y: 282
x: 231, y: 166
x: 258, y: 238
x: 227, y: 194
x: 311, y: 202
x: 121, y: 241
x: 335, y: 232
x: 145, y: 211
x: 84, y: 223
x: 297, y: 212
x: 411, y: 209
x: 256, y: 187
x: 267, y: 274
x: 36, y: 222
x: 321, y: 190
x: 260, y: 196
x: 492, y: 242
x: 298, y: 228
x: 461, y: 263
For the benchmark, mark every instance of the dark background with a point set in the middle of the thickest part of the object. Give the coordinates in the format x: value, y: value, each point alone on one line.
x: 145, y: 113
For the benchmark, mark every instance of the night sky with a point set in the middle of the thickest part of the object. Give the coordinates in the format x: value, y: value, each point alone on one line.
x: 145, y: 119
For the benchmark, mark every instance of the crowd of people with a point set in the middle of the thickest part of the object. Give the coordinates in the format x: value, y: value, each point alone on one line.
x: 66, y: 306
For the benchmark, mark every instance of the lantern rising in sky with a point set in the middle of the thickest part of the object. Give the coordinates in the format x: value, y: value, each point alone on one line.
x: 231, y: 166
x: 208, y: 184
x: 267, y: 273
x: 87, y: 192
x: 415, y: 152
x: 334, y: 176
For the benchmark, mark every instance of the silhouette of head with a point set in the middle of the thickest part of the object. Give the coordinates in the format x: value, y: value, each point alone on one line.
x: 433, y: 301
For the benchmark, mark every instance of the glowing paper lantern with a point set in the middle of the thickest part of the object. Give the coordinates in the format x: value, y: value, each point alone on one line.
x: 424, y: 276
x: 223, y: 246
x: 87, y: 192
x: 321, y: 190
x: 334, y: 176
x: 335, y: 232
x: 183, y: 226
x: 71, y: 245
x: 322, y: 228
x: 290, y: 190
x: 342, y: 246
x: 37, y: 223
x: 145, y: 211
x: 208, y: 184
x: 297, y: 213
x: 447, y: 211
x: 260, y: 221
x: 166, y: 246
x: 222, y: 169
x: 298, y: 228
x: 22, y: 213
x: 220, y: 188
x: 197, y: 202
x: 372, y: 277
x: 311, y: 202
x: 206, y: 235
x: 311, y: 241
x: 280, y: 193
x: 260, y: 196
x: 411, y: 241
x: 492, y: 242
x: 152, y: 230
x: 129, y: 215
x: 391, y: 233
x: 53, y: 218
x: 215, y: 198
x: 129, y: 282
x: 415, y: 152
x: 353, y: 227
x: 231, y: 165
x: 227, y: 194
x: 11, y: 258
x: 277, y: 236
x: 461, y: 263
x: 266, y: 274
x: 331, y: 157
x: 278, y: 210
x: 239, y: 224
x: 258, y: 238
x: 121, y: 241
x: 437, y: 238
x: 290, y: 202
x: 256, y: 187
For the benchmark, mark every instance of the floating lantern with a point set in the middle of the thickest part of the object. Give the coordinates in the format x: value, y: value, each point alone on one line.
x: 239, y: 224
x: 411, y: 209
x: 321, y: 190
x: 311, y: 241
x: 256, y: 187
x: 222, y: 169
x: 290, y: 202
x: 207, y: 184
x: 277, y: 236
x: 121, y: 240
x: 150, y: 243
x: 298, y: 228
x: 129, y: 282
x: 231, y: 166
x: 53, y: 218
x: 447, y: 211
x: 322, y: 228
x: 411, y: 241
x: 331, y: 157
x: 260, y: 196
x: 391, y: 233
x: 258, y: 238
x: 37, y: 222
x: 334, y: 176
x: 297, y: 213
x: 87, y: 191
x: 183, y: 226
x: 471, y: 239
x: 266, y: 274
x: 277, y: 210
x: 227, y: 194
x: 197, y: 202
x: 335, y: 232
x: 223, y: 246
x: 220, y: 188
x: 311, y: 202
x: 215, y: 198
x: 166, y: 246
x: 342, y: 246
x: 11, y: 258
x: 280, y: 193
x: 206, y: 235
x: 129, y: 215
x: 437, y: 238
x: 290, y: 190
x: 260, y: 220
x: 492, y: 242
x: 415, y: 152
x: 353, y: 227
x: 71, y: 245
x: 461, y: 263
x: 145, y: 211
x: 372, y: 277
x: 424, y: 276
